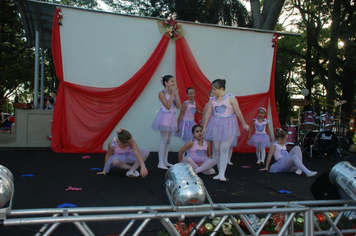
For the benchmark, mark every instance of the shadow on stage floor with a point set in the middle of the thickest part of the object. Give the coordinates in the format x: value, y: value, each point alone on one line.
x: 55, y: 172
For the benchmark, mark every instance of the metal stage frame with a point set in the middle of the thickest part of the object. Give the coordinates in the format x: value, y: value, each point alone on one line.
x: 52, y: 218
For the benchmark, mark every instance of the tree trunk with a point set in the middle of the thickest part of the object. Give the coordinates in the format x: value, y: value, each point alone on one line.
x: 308, y: 66
x: 333, y: 50
x: 270, y: 13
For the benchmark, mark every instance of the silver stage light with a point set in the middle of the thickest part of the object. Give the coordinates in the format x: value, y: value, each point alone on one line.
x: 184, y: 187
x: 6, y: 191
x: 5, y: 171
x: 343, y: 175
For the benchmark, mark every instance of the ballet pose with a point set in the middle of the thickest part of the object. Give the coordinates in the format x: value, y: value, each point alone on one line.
x: 124, y: 153
x: 286, y: 162
x: 165, y: 120
x: 261, y: 139
x: 199, y: 153
x: 222, y: 127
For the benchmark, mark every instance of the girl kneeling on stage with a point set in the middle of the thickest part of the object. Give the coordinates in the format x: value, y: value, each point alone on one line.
x: 286, y: 162
x: 199, y: 154
x: 124, y: 153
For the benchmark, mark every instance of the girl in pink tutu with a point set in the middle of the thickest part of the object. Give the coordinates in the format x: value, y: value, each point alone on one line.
x: 199, y: 153
x: 124, y: 153
x: 261, y: 139
x: 222, y: 127
x: 286, y: 162
x: 166, y: 121
x: 186, y: 120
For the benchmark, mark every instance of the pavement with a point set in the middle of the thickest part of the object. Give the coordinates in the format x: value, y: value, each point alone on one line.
x: 53, y: 173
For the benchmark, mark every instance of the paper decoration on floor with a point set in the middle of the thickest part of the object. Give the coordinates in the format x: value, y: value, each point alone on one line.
x: 70, y: 188
x: 28, y: 175
x: 66, y: 205
x: 95, y: 168
x: 284, y: 191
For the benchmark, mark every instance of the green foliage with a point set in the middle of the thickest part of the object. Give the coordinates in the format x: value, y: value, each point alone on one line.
x: 16, y: 60
x: 223, y: 12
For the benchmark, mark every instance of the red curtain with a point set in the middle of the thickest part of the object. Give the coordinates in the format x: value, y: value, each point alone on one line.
x: 85, y: 116
x: 188, y: 74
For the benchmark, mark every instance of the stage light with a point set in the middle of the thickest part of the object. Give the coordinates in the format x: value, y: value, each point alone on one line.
x: 7, y: 172
x: 183, y: 186
x: 6, y: 185
x: 343, y: 174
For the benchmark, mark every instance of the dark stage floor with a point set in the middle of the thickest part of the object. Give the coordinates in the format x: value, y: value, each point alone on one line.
x: 55, y: 172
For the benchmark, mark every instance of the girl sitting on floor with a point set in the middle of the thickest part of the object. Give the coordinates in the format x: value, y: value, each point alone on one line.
x: 124, y: 153
x: 199, y: 154
x: 286, y: 162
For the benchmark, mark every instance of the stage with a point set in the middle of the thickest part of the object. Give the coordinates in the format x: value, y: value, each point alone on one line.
x: 53, y: 173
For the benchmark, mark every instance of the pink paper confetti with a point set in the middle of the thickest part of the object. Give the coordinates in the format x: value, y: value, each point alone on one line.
x: 86, y: 157
x: 70, y: 188
x: 246, y: 167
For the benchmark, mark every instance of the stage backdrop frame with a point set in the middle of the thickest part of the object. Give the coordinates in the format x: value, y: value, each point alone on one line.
x: 104, y: 50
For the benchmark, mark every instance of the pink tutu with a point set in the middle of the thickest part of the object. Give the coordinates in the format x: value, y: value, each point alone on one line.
x: 259, y: 141
x: 126, y: 157
x: 165, y: 122
x: 185, y: 130
x: 286, y: 163
x: 222, y: 128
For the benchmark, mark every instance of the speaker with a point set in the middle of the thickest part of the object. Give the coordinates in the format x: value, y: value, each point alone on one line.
x: 323, y: 189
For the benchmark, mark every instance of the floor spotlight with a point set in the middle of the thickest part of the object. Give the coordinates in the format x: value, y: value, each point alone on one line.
x: 184, y: 187
x: 6, y: 191
x: 343, y: 174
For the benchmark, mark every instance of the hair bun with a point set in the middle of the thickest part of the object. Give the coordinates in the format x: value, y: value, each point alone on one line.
x: 119, y: 131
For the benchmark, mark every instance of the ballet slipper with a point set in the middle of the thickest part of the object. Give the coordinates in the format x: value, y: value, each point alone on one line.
x: 224, y: 179
x: 230, y: 163
x: 312, y: 174
x: 209, y: 172
x: 132, y: 174
x: 216, y: 177
x: 168, y: 164
x: 163, y: 167
x: 299, y: 172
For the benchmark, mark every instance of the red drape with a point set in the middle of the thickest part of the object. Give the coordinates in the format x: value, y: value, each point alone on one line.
x: 85, y: 116
x: 188, y: 74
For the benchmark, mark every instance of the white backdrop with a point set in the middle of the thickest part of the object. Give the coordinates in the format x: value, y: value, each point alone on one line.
x: 105, y: 50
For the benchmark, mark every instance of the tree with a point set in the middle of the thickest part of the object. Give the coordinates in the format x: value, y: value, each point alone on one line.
x: 16, y: 59
x: 270, y: 13
x: 347, y: 57
x: 223, y: 12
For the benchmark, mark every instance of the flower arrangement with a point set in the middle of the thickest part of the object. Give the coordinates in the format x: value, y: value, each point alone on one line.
x: 273, y: 226
x: 172, y: 27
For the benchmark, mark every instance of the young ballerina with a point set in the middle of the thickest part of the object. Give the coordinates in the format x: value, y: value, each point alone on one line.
x: 185, y: 119
x: 165, y: 120
x: 222, y: 127
x: 262, y: 138
x: 124, y: 153
x: 286, y: 162
x: 199, y: 153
